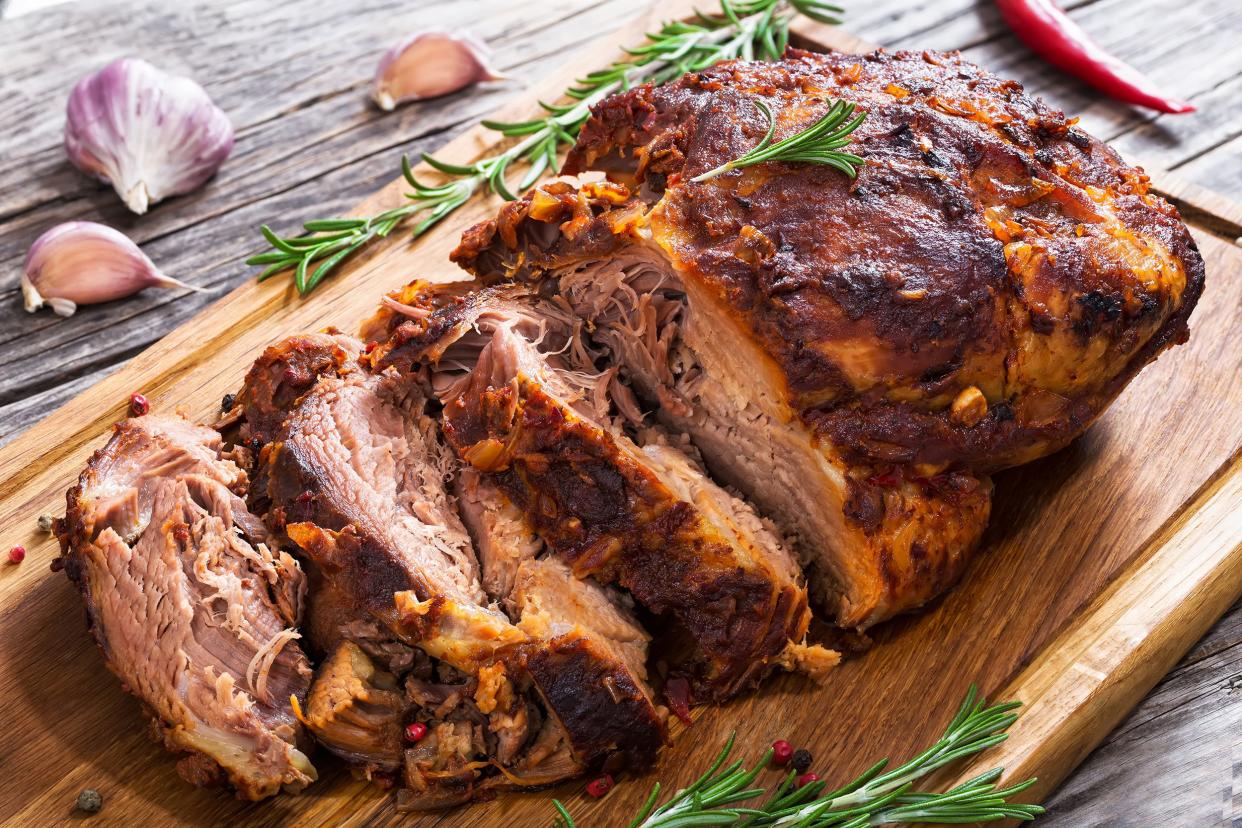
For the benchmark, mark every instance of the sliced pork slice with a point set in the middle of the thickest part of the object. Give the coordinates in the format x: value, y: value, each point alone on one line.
x: 516, y: 410
x: 592, y: 668
x: 284, y: 372
x: 193, y: 609
x: 357, y: 478
x: 356, y: 709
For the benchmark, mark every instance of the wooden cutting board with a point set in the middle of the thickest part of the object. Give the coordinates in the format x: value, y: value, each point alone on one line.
x: 1102, y: 566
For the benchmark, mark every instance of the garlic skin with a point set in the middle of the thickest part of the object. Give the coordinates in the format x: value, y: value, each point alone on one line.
x: 83, y: 263
x: 431, y: 63
x: 150, y: 134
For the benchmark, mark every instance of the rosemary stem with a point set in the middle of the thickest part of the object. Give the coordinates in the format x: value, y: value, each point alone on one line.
x: 742, y: 29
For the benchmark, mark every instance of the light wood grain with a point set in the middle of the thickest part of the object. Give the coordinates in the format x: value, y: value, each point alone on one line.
x: 1085, y: 682
x: 1063, y: 529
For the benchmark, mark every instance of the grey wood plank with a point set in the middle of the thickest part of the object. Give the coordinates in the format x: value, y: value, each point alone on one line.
x: 1175, y: 760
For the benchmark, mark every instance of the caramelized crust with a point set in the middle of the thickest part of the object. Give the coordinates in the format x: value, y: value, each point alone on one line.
x: 973, y: 300
x: 986, y: 244
x: 609, y: 517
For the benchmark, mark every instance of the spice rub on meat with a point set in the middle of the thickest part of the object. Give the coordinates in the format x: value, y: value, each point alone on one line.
x: 358, y: 479
x: 193, y: 607
x: 524, y: 407
x: 857, y: 356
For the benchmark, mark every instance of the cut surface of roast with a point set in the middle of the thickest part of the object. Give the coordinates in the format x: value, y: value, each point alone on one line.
x: 523, y: 406
x: 358, y: 478
x: 858, y: 355
x: 192, y: 607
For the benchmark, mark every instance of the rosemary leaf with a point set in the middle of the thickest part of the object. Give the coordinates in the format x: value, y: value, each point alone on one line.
x: 817, y: 144
x: 875, y: 797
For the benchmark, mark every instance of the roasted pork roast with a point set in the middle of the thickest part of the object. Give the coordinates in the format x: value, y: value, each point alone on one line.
x: 523, y: 405
x: 858, y: 355
x: 193, y: 607
x: 665, y: 420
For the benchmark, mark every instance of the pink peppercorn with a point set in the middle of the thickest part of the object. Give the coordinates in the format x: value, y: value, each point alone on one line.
x: 601, y: 786
x: 782, y: 752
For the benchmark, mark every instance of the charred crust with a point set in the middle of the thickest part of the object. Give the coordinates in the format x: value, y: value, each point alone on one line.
x: 605, y: 714
x: 905, y: 261
x: 281, y: 375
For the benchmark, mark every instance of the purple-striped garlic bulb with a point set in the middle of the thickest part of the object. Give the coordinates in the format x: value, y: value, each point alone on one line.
x: 150, y: 134
x: 429, y: 64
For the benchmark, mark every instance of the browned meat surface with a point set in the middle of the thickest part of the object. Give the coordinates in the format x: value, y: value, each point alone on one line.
x: 193, y: 607
x: 284, y: 372
x: 357, y: 478
x: 356, y: 709
x: 858, y: 355
x: 593, y: 668
x: 644, y: 518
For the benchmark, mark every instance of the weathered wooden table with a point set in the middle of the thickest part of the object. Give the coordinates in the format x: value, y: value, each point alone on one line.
x: 294, y: 78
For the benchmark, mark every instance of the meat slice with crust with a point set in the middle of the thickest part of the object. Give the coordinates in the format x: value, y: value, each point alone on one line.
x: 645, y: 518
x: 357, y: 709
x: 858, y: 355
x: 593, y: 639
x: 193, y: 608
x: 358, y: 479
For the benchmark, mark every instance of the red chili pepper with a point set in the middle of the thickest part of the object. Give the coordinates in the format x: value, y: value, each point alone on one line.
x: 782, y: 752
x: 371, y: 346
x: 600, y: 787
x: 17, y: 554
x: 415, y: 731
x: 138, y: 405
x: 1050, y: 32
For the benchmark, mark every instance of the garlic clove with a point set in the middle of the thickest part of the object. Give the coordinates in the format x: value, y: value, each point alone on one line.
x: 150, y: 134
x: 429, y: 64
x: 83, y: 263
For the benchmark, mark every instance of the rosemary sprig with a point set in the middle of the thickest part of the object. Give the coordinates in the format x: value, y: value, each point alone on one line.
x: 817, y: 144
x: 875, y: 797
x: 746, y: 29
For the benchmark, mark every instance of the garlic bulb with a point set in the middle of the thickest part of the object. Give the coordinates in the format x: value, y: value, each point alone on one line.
x: 82, y: 263
x: 428, y: 64
x: 149, y: 133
